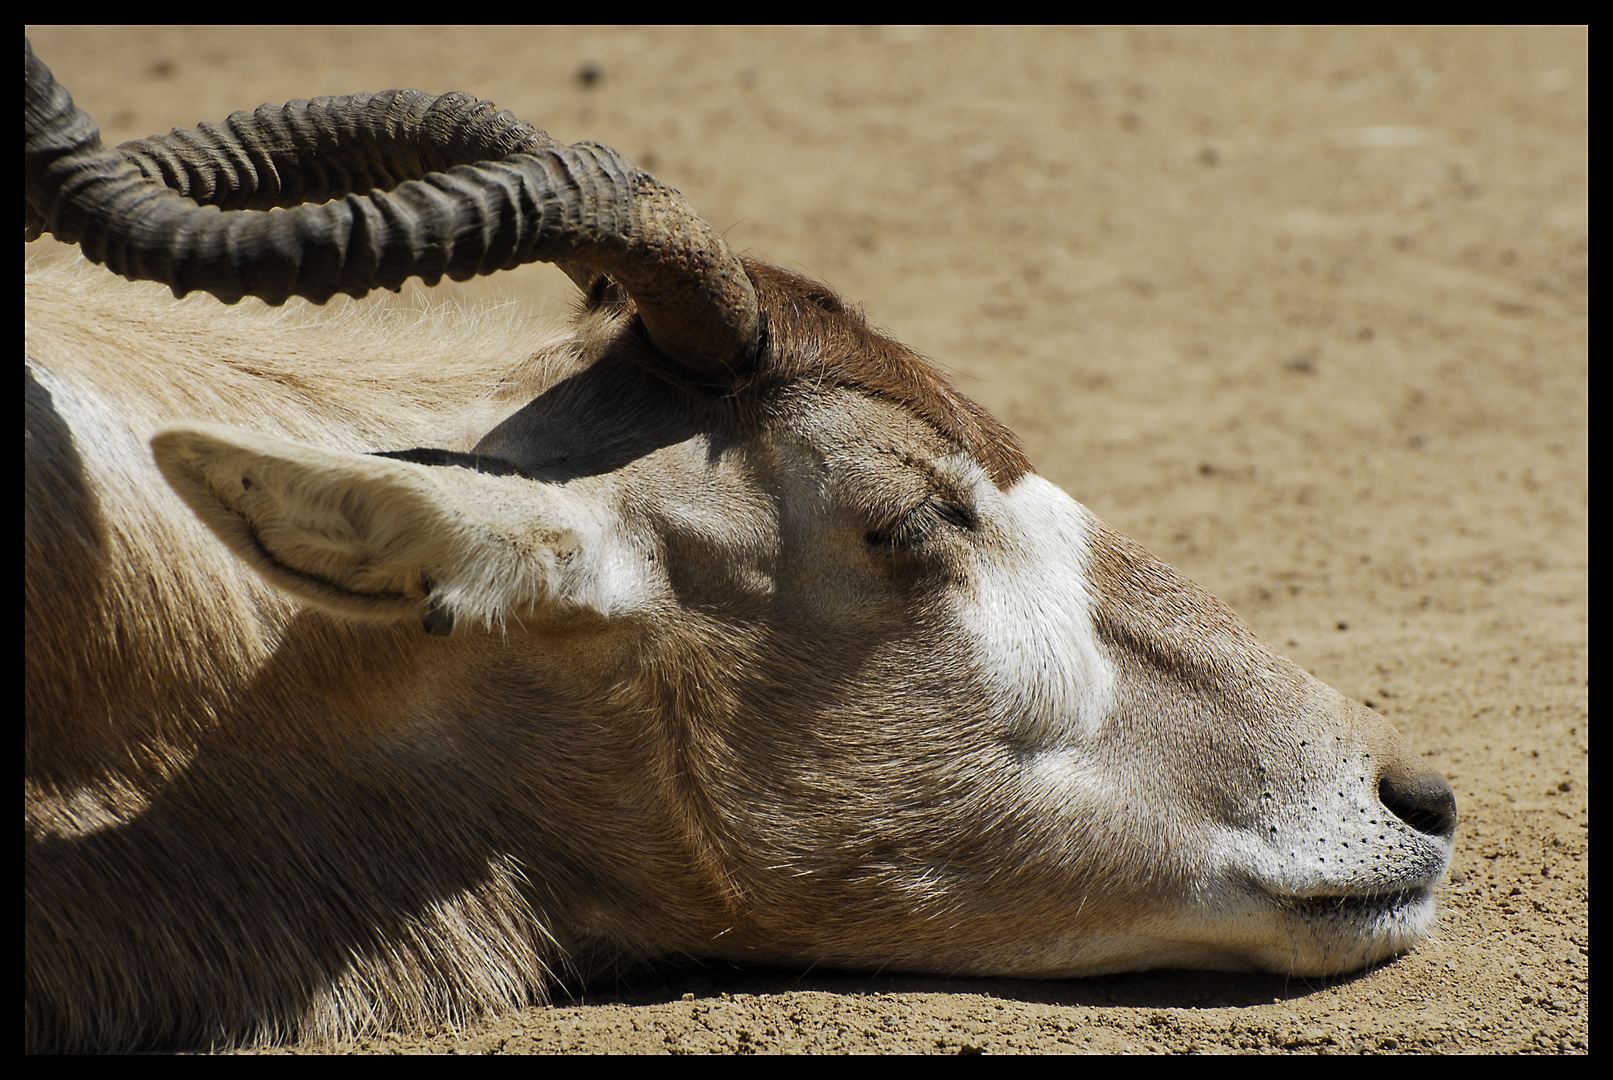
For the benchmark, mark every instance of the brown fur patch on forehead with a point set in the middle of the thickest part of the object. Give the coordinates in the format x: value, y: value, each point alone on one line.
x: 812, y: 334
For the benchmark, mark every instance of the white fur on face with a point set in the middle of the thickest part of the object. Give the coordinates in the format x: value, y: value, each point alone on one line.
x: 1319, y: 877
x: 1357, y: 881
x: 1333, y: 837
x: 1030, y: 614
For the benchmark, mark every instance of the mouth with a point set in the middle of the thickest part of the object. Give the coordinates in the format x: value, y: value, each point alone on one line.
x: 1350, y: 932
x: 1366, y: 906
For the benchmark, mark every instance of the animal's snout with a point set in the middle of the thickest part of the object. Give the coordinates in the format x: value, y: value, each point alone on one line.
x: 1424, y: 802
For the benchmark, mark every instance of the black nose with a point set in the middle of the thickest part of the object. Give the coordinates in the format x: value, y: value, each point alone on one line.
x: 1426, y: 802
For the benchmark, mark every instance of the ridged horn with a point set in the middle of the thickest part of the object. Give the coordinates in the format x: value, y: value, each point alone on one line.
x: 472, y: 191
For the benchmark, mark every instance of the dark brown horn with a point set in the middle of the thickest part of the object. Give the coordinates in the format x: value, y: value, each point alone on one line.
x: 526, y: 199
x: 329, y: 148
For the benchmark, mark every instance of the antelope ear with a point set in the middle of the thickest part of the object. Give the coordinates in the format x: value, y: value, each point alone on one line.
x: 386, y: 539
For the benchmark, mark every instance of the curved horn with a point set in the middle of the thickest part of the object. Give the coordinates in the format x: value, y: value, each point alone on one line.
x: 539, y: 201
x: 330, y: 147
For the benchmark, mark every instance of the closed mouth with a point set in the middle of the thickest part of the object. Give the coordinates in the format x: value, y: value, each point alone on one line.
x: 1365, y: 904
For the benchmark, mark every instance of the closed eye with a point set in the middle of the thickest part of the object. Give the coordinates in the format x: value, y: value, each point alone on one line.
x: 916, y: 526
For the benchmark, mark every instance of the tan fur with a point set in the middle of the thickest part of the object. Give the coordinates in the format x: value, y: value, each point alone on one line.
x: 728, y: 677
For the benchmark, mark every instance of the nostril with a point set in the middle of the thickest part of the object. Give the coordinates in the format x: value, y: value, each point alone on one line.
x: 1426, y: 803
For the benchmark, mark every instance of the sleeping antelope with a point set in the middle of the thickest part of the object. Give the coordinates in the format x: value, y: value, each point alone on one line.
x: 383, y: 674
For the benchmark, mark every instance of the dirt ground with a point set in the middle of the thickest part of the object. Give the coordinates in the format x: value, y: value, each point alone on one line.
x: 1303, y: 311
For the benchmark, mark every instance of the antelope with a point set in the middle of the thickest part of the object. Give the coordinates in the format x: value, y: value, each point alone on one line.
x: 385, y: 673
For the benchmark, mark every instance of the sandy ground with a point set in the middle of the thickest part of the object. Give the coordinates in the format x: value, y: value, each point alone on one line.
x: 1303, y: 311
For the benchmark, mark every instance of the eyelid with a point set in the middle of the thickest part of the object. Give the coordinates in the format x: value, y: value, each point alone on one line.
x: 958, y: 515
x: 915, y: 526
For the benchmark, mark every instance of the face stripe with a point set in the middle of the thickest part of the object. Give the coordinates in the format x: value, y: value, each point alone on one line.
x: 1030, y: 616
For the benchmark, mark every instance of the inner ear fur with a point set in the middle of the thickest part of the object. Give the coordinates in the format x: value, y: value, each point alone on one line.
x: 368, y: 536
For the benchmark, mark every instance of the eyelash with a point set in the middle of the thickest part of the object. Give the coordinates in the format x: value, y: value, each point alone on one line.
x: 915, y: 526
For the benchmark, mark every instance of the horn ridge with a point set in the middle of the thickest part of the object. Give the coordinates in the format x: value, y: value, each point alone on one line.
x: 328, y: 147
x: 585, y: 205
